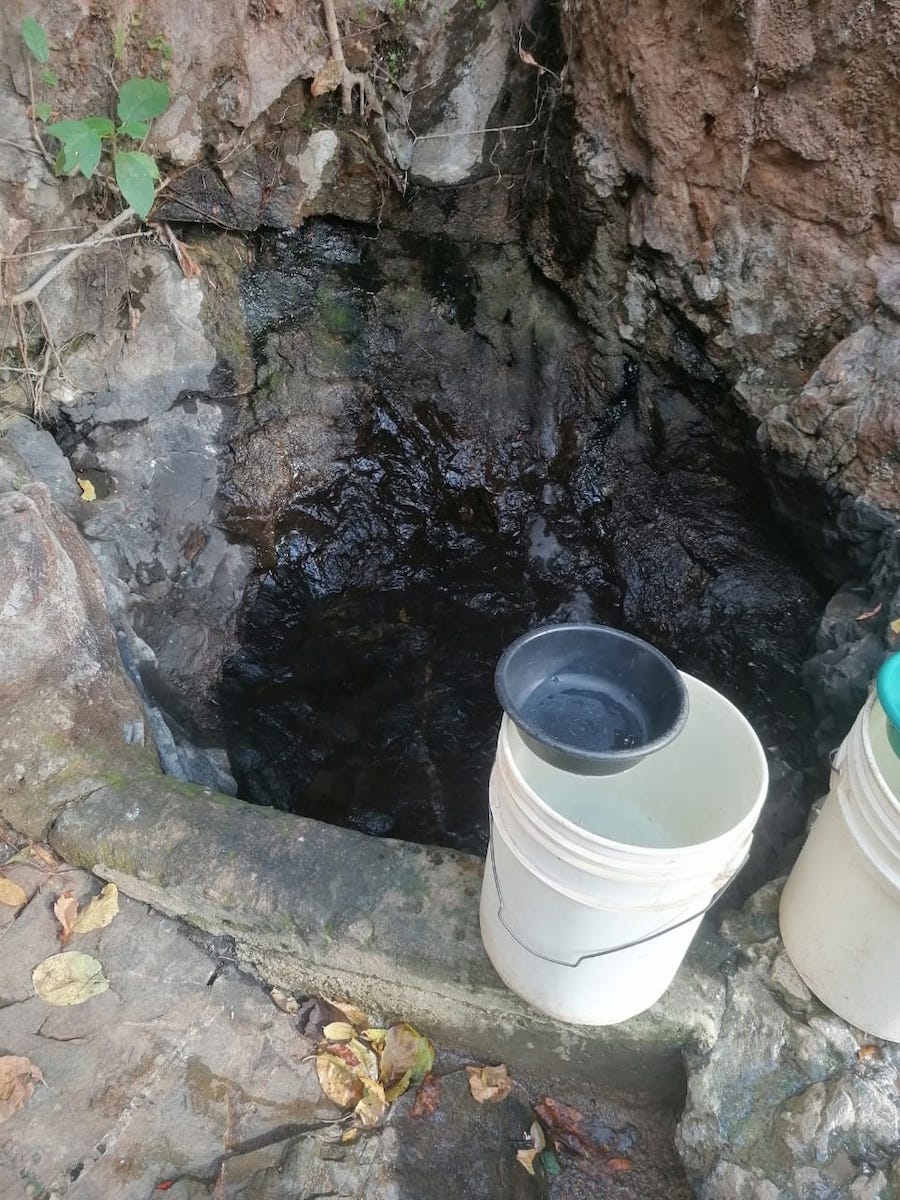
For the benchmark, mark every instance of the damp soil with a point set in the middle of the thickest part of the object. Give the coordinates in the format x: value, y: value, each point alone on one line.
x: 362, y: 693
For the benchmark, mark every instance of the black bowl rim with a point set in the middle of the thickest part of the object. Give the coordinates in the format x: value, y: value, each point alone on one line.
x: 634, y: 754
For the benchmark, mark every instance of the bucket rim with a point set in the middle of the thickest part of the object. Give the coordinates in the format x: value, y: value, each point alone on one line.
x: 683, y: 853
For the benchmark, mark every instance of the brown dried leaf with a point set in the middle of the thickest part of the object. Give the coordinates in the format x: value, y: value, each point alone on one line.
x: 18, y: 1076
x: 895, y: 625
x: 489, y: 1083
x: 287, y: 1004
x: 597, y: 1150
x: 11, y: 894
x: 397, y: 1089
x: 354, y: 1015
x: 526, y: 1158
x: 99, y: 911
x: 868, y: 1053
x: 338, y: 1080
x: 427, y: 1098
x: 870, y: 612
x: 373, y: 1104
x: 529, y: 59
x: 314, y: 1015
x: 350, y: 1135
x: 66, y: 912
x: 618, y: 1164
x: 328, y: 78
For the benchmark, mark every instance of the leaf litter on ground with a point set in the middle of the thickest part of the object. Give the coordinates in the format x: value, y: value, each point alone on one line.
x: 489, y: 1083
x: 66, y: 912
x: 589, y: 1145
x: 99, y: 911
x: 18, y: 1075
x: 69, y: 978
x: 363, y: 1068
x: 11, y: 894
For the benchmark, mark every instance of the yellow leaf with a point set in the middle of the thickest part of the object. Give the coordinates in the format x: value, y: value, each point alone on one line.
x: 375, y: 1037
x: 373, y: 1104
x: 338, y: 1080
x: 99, y: 912
x: 339, y: 1031
x: 66, y: 912
x: 405, y: 1049
x: 488, y: 1083
x: 69, y: 978
x: 349, y: 1135
x: 17, y: 1079
x: 526, y: 1158
x: 88, y: 491
x: 11, y: 893
x: 398, y: 1088
x: 354, y: 1015
x: 895, y: 625
x: 328, y: 78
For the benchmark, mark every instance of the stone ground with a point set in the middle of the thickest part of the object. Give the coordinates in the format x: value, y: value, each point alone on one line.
x: 185, y: 1079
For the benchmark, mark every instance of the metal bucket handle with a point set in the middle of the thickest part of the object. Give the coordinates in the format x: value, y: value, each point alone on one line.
x: 648, y: 937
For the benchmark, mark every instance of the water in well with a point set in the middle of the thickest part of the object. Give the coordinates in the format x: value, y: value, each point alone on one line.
x: 475, y: 487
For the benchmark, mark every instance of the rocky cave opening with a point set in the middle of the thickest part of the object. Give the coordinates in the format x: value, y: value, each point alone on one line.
x: 467, y: 475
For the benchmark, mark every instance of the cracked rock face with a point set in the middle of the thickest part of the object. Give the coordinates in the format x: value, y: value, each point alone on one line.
x: 791, y: 1101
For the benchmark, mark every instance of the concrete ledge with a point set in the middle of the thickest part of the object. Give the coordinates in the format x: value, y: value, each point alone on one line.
x: 392, y: 925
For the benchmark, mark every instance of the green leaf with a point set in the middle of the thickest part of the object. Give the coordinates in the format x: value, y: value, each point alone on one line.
x: 35, y: 39
x: 81, y: 146
x: 102, y: 126
x: 134, y: 129
x: 42, y: 111
x: 135, y: 175
x: 50, y: 78
x: 142, y: 100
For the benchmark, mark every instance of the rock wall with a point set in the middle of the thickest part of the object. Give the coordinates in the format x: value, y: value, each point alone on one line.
x: 750, y: 151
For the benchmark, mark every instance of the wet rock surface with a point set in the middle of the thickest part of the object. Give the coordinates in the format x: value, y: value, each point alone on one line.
x: 184, y: 1077
x: 791, y: 1101
x: 447, y: 471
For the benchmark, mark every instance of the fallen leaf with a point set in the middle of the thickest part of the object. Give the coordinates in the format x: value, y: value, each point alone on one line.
x: 526, y: 1158
x: 375, y: 1037
x: 870, y: 612
x: 489, y: 1083
x: 287, y: 1004
x: 867, y: 1053
x: 99, y: 911
x: 69, y: 978
x: 373, y: 1104
x: 350, y: 1135
x: 595, y: 1149
x: 338, y: 1080
x: 399, y: 1087
x: 17, y: 1079
x: 895, y: 625
x: 529, y: 60
x: 35, y: 852
x: 536, y: 1133
x: 354, y: 1015
x: 314, y: 1014
x: 88, y: 491
x: 66, y: 912
x: 427, y: 1098
x: 11, y: 893
x: 405, y: 1049
x: 339, y: 1031
x: 328, y: 78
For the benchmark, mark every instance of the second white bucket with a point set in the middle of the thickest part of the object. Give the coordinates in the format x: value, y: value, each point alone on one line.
x: 840, y: 908
x: 594, y: 887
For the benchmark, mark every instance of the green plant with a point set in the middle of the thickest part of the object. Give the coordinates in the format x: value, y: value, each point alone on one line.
x: 161, y: 46
x: 83, y: 141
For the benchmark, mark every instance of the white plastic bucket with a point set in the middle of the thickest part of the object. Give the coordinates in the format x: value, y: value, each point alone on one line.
x: 595, y: 886
x: 840, y: 909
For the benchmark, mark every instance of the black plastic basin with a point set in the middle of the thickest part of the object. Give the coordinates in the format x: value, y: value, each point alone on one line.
x: 590, y: 699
